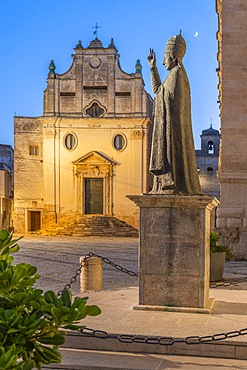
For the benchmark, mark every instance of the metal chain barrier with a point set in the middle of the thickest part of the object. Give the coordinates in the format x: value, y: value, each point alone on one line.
x: 117, y: 267
x: 83, y: 263
x: 163, y: 341
x: 156, y: 340
x: 77, y: 273
x: 228, y: 283
x: 132, y: 273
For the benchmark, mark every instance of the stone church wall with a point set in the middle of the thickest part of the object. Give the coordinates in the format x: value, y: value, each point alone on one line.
x: 232, y: 71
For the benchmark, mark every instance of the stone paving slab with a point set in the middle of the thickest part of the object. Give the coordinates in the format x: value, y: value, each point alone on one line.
x: 118, y: 317
x: 230, y: 313
x: 88, y: 360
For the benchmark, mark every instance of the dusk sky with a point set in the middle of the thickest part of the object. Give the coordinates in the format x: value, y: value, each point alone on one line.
x: 34, y: 32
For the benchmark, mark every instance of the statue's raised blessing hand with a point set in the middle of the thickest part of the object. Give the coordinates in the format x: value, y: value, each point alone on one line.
x: 152, y: 58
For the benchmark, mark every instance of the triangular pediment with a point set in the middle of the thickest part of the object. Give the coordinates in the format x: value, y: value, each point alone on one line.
x: 95, y: 157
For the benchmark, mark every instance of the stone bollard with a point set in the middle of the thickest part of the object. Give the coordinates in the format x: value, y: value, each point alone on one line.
x: 91, y: 274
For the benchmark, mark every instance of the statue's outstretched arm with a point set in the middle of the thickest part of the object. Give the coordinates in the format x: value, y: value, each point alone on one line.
x: 155, y: 77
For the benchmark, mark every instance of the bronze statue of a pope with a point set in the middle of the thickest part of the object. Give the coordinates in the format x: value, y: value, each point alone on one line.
x: 172, y: 161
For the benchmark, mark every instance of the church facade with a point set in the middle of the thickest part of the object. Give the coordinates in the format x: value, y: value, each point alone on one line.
x: 91, y: 146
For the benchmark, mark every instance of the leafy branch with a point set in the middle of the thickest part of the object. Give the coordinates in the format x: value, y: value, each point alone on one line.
x: 33, y: 323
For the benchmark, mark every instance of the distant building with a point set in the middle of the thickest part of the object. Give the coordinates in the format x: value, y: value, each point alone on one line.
x: 91, y: 146
x: 6, y: 186
x: 207, y: 162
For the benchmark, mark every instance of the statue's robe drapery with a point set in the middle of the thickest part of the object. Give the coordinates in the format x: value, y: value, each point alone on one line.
x: 173, y: 152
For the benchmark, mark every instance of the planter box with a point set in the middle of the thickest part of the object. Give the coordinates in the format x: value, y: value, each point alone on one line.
x: 217, y: 264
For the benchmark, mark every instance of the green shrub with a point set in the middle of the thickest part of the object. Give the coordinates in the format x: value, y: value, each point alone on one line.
x: 215, y: 247
x: 33, y: 323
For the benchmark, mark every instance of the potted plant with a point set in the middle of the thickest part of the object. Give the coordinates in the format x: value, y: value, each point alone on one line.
x: 218, y: 254
x: 33, y: 323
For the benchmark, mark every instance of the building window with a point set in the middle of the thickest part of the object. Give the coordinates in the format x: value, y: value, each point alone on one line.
x: 95, y: 110
x: 210, y: 169
x: 70, y: 141
x: 119, y: 142
x: 94, y: 87
x: 122, y: 93
x: 210, y: 147
x: 33, y: 150
x: 67, y: 93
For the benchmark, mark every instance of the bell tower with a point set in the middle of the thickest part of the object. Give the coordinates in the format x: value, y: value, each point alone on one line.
x: 207, y: 161
x: 210, y: 142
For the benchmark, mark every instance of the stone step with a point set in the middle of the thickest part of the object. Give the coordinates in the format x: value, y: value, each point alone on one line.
x: 94, y: 226
x: 100, y: 225
x: 110, y: 360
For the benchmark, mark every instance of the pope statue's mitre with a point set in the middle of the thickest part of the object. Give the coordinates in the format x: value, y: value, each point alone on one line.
x: 176, y: 45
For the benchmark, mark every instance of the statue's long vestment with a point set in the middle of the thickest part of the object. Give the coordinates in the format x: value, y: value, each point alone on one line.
x: 173, y: 152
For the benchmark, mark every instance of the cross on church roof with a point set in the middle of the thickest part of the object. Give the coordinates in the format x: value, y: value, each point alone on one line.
x: 96, y: 30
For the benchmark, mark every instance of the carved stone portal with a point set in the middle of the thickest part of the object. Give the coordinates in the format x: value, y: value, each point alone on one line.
x: 94, y: 171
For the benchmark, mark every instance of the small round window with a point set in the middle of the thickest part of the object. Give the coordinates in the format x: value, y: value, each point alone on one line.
x: 119, y: 142
x: 70, y: 141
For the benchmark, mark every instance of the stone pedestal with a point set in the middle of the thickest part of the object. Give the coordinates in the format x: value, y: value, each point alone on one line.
x: 174, y: 252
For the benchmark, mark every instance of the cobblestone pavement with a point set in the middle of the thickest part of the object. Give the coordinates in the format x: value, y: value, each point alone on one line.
x: 57, y: 259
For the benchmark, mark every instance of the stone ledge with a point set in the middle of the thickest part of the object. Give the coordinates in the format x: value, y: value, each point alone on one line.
x: 232, y: 177
x: 230, y: 212
x: 206, y: 310
x: 174, y: 201
x: 223, y: 349
x: 234, y: 222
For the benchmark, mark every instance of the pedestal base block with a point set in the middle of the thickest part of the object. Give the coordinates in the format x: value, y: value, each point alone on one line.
x: 174, y: 252
x: 208, y: 309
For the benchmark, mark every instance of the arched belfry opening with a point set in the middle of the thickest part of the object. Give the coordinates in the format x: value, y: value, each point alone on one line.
x: 210, y: 147
x: 210, y: 142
